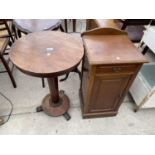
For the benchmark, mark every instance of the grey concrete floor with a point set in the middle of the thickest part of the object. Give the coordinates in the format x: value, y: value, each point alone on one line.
x: 29, y: 94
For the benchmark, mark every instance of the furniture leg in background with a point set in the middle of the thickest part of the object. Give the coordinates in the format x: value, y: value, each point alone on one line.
x: 74, y: 25
x: 66, y: 26
x: 145, y: 50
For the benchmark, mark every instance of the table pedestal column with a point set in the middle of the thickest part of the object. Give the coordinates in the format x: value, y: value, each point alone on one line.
x: 56, y: 103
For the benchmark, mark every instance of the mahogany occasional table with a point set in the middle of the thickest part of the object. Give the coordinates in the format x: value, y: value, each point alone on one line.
x: 27, y: 26
x: 48, y: 54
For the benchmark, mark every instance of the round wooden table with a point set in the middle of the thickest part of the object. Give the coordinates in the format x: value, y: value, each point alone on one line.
x: 27, y: 26
x: 48, y: 54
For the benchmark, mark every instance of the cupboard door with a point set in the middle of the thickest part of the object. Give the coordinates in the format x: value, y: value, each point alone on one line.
x: 107, y: 92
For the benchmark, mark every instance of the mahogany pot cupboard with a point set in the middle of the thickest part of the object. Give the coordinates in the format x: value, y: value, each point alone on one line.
x: 111, y: 63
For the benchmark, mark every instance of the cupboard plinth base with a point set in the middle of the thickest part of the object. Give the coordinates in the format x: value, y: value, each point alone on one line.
x: 94, y: 114
x: 101, y: 114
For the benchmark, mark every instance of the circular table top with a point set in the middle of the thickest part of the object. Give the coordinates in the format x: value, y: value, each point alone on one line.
x: 35, y: 25
x: 47, y: 53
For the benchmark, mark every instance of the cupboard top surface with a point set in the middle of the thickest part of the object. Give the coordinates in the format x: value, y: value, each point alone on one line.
x: 111, y: 49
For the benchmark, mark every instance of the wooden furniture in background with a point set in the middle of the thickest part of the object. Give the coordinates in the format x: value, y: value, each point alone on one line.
x: 48, y: 54
x: 6, y: 28
x: 6, y: 39
x: 73, y: 23
x: 99, y: 23
x: 35, y: 25
x: 134, y: 27
x: 110, y: 65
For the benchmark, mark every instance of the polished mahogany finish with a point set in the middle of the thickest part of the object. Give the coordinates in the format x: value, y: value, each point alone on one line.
x: 34, y: 25
x: 48, y: 54
x: 110, y: 64
x: 103, y: 48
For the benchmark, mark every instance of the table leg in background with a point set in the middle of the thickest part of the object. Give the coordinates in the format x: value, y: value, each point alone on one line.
x: 74, y: 25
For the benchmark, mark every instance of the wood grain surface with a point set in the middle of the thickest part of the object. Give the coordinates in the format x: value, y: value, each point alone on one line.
x: 30, y: 53
x: 110, y: 46
x: 110, y: 65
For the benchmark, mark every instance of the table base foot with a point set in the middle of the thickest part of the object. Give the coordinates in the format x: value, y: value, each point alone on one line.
x: 67, y: 116
x: 56, y: 109
x: 39, y: 109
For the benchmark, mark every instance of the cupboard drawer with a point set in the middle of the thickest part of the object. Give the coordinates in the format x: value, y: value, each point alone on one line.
x: 129, y: 69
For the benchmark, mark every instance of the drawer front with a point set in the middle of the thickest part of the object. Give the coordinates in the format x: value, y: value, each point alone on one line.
x: 128, y: 69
